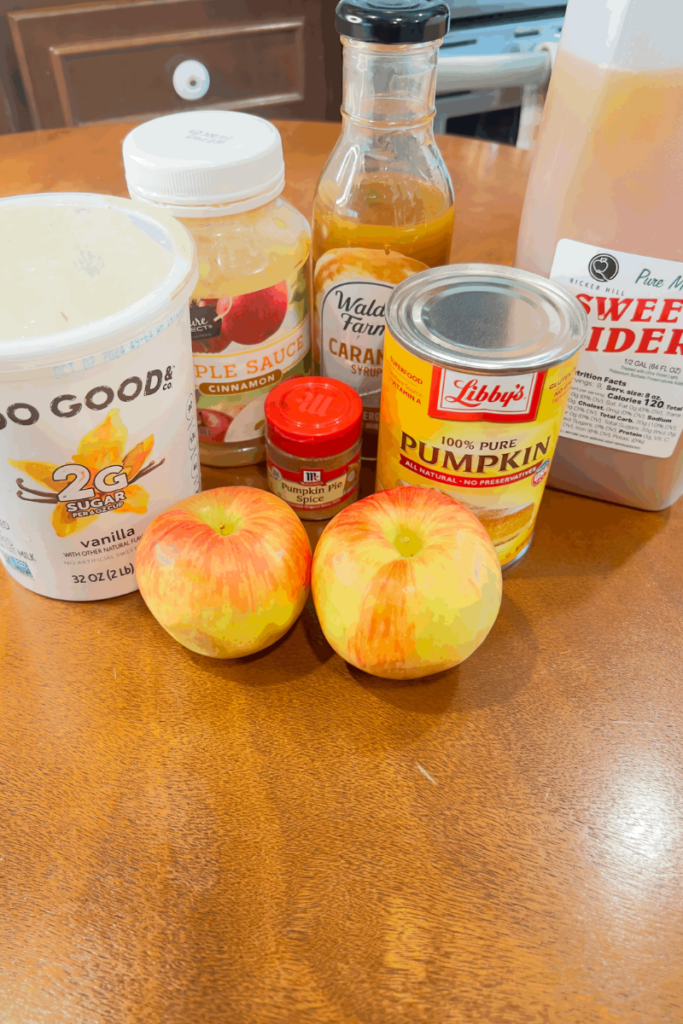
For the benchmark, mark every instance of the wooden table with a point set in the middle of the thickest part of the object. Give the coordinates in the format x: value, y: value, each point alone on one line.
x: 284, y: 840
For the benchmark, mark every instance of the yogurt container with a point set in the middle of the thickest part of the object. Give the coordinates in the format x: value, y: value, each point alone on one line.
x: 98, y: 427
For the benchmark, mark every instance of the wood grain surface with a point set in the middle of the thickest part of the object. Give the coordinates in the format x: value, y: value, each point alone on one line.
x: 285, y: 840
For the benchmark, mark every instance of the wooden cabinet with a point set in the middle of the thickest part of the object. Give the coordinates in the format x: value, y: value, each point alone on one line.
x: 110, y: 60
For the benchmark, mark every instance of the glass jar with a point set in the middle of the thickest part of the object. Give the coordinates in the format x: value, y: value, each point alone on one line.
x: 385, y: 191
x: 222, y: 173
x: 313, y: 431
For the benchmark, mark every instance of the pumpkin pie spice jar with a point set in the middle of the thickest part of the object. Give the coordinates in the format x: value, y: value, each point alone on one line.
x: 313, y: 445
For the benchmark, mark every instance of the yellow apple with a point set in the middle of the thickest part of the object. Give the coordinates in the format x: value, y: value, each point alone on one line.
x: 225, y: 572
x: 406, y: 583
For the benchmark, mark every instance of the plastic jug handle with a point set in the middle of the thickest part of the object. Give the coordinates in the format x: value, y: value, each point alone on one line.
x: 495, y: 71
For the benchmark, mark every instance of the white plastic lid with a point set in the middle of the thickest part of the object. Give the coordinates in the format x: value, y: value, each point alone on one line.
x: 205, y: 163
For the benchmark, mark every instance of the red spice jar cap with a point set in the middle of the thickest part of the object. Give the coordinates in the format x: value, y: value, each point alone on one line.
x: 313, y: 416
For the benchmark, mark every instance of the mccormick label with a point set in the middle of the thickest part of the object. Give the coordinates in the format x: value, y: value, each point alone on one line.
x: 243, y: 346
x: 90, y: 452
x: 628, y: 392
x: 352, y: 288
x: 486, y: 440
x: 312, y: 488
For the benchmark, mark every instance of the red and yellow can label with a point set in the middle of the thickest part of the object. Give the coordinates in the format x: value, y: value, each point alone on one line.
x: 487, y: 440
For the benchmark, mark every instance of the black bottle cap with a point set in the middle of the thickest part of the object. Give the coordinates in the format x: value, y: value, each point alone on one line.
x: 393, y: 21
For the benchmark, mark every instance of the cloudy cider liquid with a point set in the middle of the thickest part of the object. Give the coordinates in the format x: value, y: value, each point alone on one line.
x: 603, y: 217
x: 608, y: 164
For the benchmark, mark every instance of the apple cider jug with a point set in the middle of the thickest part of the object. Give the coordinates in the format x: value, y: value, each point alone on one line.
x: 383, y: 208
x: 222, y: 174
x: 603, y: 218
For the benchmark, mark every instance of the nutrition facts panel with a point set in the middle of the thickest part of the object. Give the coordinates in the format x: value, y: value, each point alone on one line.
x: 628, y: 390
x: 622, y: 410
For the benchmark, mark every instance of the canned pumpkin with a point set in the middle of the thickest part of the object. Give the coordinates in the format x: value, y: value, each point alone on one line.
x: 478, y: 364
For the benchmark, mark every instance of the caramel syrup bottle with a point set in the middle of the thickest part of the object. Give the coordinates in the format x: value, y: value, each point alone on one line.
x: 383, y: 208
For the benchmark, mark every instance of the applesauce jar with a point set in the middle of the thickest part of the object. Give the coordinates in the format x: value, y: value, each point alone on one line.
x: 222, y: 174
x: 313, y: 430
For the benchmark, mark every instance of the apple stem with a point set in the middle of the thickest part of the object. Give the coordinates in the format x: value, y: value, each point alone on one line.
x: 408, y: 543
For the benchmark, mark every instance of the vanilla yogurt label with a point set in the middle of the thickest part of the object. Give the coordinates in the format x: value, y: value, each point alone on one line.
x: 90, y: 452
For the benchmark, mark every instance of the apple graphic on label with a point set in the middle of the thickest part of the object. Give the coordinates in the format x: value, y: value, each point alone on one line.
x: 250, y: 422
x: 212, y: 425
x: 252, y: 318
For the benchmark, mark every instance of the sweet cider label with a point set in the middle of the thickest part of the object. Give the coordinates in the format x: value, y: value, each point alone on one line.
x: 628, y: 391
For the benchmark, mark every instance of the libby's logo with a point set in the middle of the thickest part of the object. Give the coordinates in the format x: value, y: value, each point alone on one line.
x: 461, y: 396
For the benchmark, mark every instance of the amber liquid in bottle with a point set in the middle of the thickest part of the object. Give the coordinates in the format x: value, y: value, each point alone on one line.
x: 399, y: 214
x: 385, y: 188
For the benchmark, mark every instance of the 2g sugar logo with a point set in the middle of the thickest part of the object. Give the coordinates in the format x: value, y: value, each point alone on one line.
x: 100, y: 479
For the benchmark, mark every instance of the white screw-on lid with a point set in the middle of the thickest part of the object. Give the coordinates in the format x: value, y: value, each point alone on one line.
x: 205, y: 163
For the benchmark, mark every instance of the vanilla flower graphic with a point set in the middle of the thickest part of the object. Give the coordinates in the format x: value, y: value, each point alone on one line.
x: 101, y: 447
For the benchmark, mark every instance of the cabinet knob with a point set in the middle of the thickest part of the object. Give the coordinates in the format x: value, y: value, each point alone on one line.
x: 191, y: 80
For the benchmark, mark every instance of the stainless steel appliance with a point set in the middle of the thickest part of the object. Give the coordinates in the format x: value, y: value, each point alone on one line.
x: 488, y: 57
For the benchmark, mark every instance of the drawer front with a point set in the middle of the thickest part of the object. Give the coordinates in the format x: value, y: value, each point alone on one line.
x: 98, y: 62
x: 249, y: 66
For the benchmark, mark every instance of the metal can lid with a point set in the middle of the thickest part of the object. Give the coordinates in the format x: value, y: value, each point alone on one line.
x: 486, y: 318
x: 313, y: 417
